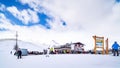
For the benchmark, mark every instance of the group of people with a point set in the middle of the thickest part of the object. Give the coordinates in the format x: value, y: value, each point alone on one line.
x: 115, y: 49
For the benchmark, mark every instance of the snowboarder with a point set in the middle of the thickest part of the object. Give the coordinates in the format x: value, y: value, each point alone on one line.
x: 19, y: 54
x: 115, y: 48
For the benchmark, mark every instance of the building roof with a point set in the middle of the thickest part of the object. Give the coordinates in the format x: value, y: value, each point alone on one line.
x: 78, y: 43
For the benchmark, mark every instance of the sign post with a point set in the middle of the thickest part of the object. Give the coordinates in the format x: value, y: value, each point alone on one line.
x: 99, y: 43
x: 107, y: 50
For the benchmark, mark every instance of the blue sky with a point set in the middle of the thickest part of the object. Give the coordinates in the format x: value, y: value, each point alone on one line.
x: 9, y: 3
x: 117, y: 0
x: 15, y: 21
x: 41, y: 21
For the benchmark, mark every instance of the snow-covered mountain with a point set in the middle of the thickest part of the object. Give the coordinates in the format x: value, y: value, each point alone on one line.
x: 8, y: 45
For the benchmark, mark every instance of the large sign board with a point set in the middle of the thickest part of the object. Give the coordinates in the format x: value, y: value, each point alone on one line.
x: 99, y: 43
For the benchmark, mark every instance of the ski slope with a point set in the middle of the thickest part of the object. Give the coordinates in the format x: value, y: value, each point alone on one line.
x: 8, y: 60
x: 8, y: 45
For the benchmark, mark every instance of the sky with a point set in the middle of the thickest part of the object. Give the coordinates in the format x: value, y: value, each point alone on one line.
x: 64, y: 21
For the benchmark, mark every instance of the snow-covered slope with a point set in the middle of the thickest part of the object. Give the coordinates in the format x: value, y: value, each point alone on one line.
x: 8, y: 45
x: 60, y: 61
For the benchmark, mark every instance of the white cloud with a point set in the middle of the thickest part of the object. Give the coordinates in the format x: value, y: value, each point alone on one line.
x: 79, y: 13
x: 2, y: 7
x: 25, y: 15
x: 4, y: 22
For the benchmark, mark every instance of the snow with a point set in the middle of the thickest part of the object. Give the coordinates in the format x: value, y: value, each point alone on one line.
x: 9, y: 45
x: 8, y: 60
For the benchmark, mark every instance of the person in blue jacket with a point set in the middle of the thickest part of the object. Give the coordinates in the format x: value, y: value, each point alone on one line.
x: 115, y: 48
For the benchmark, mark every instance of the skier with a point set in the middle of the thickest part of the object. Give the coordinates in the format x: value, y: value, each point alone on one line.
x: 10, y: 52
x: 115, y: 48
x: 47, y: 55
x: 19, y: 54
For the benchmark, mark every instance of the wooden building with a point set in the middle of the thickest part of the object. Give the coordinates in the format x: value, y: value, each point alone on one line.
x: 67, y: 48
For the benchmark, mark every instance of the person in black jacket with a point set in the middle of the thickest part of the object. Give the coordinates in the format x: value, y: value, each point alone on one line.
x: 19, y: 54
